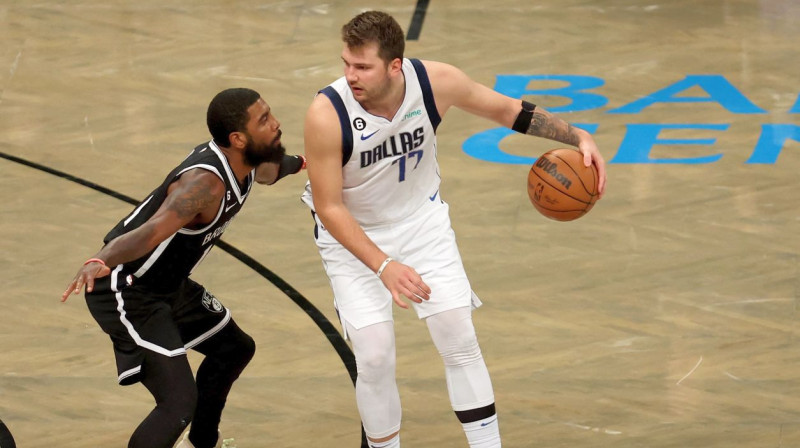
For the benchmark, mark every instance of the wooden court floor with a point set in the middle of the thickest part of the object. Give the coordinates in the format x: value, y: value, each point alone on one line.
x: 666, y: 317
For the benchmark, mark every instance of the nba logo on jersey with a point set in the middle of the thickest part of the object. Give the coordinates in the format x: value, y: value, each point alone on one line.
x: 211, y: 303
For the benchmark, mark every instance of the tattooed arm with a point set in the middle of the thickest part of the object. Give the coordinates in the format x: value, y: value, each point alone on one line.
x: 545, y: 124
x: 192, y: 200
x: 452, y: 87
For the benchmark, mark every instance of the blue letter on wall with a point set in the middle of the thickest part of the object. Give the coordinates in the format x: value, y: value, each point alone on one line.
x: 640, y: 138
x: 719, y: 90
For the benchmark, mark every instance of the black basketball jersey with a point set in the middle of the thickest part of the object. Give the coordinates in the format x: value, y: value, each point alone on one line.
x: 163, y: 268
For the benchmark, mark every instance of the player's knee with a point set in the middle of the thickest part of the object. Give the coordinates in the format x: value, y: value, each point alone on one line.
x: 246, y: 349
x: 375, y: 365
x: 457, y: 342
x: 462, y: 350
x: 236, y: 348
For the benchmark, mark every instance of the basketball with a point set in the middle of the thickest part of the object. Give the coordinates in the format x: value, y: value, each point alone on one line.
x: 560, y: 187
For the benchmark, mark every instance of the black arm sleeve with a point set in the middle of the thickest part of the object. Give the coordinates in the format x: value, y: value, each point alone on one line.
x: 290, y: 165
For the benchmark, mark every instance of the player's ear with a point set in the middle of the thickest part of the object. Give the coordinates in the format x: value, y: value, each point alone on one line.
x: 396, y: 65
x: 238, y: 139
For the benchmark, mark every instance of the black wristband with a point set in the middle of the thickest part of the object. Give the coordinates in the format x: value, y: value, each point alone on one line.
x: 523, y: 121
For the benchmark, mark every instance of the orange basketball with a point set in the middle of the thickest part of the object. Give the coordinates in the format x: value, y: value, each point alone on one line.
x: 560, y: 186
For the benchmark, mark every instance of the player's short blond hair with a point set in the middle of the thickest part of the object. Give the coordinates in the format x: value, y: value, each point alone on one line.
x: 379, y: 27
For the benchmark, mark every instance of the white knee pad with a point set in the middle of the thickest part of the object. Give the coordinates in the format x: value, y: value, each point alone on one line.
x: 468, y: 381
x: 377, y: 396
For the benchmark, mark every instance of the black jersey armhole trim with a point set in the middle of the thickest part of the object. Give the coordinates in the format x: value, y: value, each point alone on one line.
x: 344, y: 121
x: 427, y: 93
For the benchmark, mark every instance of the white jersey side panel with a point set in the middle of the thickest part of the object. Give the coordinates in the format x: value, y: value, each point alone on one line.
x: 392, y: 169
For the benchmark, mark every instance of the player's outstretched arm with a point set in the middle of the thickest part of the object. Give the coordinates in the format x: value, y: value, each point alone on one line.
x: 268, y: 173
x: 192, y: 200
x: 452, y: 87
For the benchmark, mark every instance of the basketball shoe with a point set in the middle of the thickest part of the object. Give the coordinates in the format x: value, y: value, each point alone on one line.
x: 221, y: 443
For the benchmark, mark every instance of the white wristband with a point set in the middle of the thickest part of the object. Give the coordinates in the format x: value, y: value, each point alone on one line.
x: 383, y: 265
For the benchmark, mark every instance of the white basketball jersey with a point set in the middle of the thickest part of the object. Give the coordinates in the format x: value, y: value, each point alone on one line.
x: 389, y: 166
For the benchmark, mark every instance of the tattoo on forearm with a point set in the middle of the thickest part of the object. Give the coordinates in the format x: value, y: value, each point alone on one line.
x: 194, y: 201
x: 553, y: 128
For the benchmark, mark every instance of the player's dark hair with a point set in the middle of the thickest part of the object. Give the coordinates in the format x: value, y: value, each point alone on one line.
x: 376, y: 26
x: 227, y: 113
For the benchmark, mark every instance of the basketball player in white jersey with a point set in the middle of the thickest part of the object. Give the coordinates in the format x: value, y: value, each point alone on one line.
x: 138, y: 287
x: 382, y: 228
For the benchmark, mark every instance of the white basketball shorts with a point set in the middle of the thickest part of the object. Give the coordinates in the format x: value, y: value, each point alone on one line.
x: 425, y: 241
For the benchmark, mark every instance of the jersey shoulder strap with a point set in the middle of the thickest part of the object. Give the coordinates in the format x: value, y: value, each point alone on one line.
x: 344, y: 121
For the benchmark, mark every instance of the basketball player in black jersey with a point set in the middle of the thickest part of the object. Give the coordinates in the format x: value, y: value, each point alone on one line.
x: 138, y: 286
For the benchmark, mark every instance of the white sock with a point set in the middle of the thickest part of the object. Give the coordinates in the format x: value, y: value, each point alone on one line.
x: 394, y: 442
x: 483, y: 433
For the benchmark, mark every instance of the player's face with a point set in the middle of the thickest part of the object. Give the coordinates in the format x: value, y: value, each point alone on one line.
x: 366, y: 73
x: 263, y: 135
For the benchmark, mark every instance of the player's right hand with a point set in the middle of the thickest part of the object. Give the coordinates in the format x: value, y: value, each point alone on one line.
x: 85, y: 276
x: 401, y: 279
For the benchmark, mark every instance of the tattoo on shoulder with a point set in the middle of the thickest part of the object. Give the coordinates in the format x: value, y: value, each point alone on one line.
x: 197, y: 197
x: 553, y: 128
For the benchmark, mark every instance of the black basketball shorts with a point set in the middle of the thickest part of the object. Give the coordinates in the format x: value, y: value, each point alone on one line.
x: 138, y: 319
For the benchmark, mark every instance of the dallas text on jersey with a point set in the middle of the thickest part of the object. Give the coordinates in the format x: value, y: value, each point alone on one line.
x: 395, y: 145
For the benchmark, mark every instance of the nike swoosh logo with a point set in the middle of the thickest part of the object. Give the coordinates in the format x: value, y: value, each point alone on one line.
x: 488, y: 423
x: 364, y: 137
x: 231, y: 206
x: 433, y: 198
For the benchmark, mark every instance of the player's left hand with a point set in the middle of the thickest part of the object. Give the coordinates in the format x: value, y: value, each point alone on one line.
x: 85, y: 276
x: 592, y: 155
x: 401, y: 279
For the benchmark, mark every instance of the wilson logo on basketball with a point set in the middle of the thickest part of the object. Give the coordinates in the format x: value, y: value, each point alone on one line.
x: 552, y: 169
